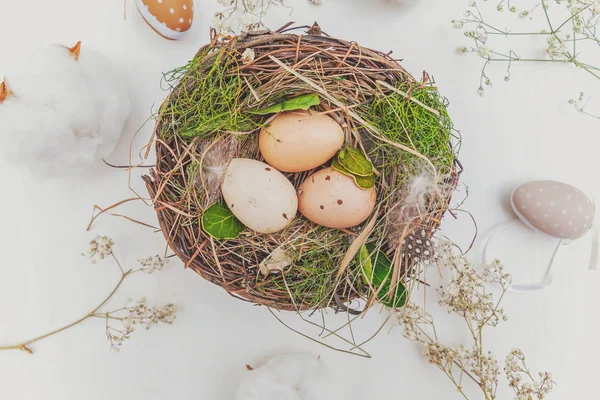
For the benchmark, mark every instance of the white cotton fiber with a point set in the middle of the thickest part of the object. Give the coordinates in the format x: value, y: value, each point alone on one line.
x: 62, y: 114
x: 290, y: 377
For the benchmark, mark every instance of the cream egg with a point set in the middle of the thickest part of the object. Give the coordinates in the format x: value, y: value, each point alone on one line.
x: 296, y: 141
x: 169, y: 18
x: 261, y: 197
x: 332, y: 199
x: 555, y: 208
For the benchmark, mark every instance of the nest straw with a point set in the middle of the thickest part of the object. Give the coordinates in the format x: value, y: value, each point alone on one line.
x: 400, y: 123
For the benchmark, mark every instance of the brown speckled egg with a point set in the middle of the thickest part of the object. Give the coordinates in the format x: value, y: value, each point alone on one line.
x: 169, y: 18
x: 297, y: 141
x: 555, y: 208
x: 332, y: 199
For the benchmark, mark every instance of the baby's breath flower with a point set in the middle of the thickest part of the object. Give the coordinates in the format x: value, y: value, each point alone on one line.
x: 138, y: 313
x: 457, y: 24
x: 484, y: 51
x: 411, y: 317
x: 152, y: 264
x: 243, y: 15
x: 523, y: 14
x: 521, y: 380
x: 462, y: 50
x: 100, y: 247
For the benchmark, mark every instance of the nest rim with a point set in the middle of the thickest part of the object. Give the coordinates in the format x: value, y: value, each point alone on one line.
x: 241, y: 283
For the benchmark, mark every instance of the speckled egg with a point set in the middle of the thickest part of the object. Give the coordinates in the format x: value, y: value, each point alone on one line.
x: 296, y: 141
x: 261, y: 197
x: 555, y: 208
x: 169, y: 18
x: 332, y: 199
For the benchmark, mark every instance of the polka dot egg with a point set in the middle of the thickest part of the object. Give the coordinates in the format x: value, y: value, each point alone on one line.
x: 169, y: 18
x: 555, y: 208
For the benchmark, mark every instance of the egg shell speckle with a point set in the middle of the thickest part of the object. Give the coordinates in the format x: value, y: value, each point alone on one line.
x: 261, y: 197
x: 296, y: 141
x: 555, y: 208
x: 169, y: 18
x: 332, y: 199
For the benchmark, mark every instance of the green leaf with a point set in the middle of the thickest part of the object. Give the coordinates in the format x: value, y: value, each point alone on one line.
x: 355, y: 162
x: 303, y: 102
x: 219, y: 222
x: 378, y: 273
x: 363, y: 182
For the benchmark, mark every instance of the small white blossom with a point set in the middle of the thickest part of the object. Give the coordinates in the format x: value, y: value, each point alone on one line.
x: 137, y: 314
x: 100, y: 246
x: 152, y: 264
x: 521, y: 380
x: 484, y: 51
x: 458, y: 24
x: 225, y: 3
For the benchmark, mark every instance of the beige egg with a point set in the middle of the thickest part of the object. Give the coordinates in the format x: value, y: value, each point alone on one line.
x: 297, y: 141
x: 332, y: 199
x: 169, y: 18
x: 261, y: 197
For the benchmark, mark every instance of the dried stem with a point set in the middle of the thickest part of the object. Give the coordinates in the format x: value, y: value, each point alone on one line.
x: 24, y: 346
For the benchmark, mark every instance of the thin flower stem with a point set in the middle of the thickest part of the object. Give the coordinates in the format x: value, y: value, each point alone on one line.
x: 24, y: 346
x: 458, y: 387
x: 118, y: 263
x: 545, y: 8
x: 554, y: 31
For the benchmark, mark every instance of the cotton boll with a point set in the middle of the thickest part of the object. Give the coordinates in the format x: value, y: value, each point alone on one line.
x: 290, y: 377
x: 63, y: 112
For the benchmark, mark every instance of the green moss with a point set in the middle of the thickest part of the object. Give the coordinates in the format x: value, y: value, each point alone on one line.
x: 409, y: 123
x: 212, y: 101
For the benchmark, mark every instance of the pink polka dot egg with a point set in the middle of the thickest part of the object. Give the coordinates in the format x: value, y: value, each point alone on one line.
x: 554, y: 208
x: 169, y: 18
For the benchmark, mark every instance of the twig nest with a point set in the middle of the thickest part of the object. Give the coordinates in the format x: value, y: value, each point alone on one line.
x: 345, y: 131
x: 62, y: 109
x: 171, y: 19
x: 290, y: 377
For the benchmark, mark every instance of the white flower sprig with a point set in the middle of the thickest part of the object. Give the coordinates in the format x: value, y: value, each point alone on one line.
x: 465, y: 295
x: 128, y: 316
x: 239, y: 16
x: 569, y: 33
x: 521, y: 380
x: 137, y: 314
x: 100, y: 247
